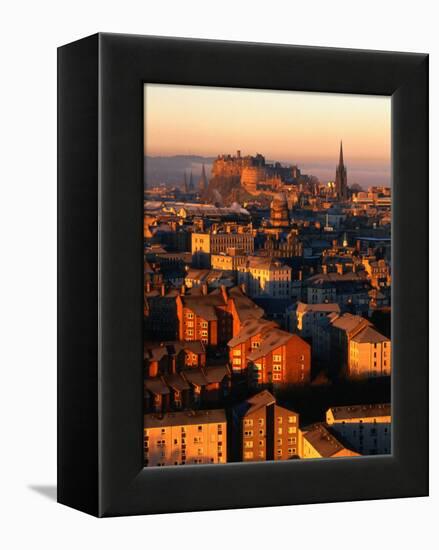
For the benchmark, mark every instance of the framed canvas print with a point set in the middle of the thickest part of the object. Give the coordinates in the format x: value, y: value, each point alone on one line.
x: 243, y: 263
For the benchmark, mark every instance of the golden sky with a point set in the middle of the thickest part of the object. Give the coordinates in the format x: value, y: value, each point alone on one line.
x: 300, y: 127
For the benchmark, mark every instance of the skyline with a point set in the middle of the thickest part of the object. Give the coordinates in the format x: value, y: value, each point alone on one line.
x: 290, y: 127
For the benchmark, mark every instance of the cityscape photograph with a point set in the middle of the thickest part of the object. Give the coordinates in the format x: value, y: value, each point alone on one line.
x: 267, y: 275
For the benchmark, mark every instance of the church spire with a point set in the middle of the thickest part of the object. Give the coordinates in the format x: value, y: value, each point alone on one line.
x: 202, y: 184
x: 341, y: 181
x: 340, y: 162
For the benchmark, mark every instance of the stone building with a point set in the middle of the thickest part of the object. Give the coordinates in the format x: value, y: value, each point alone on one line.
x: 266, y: 430
x: 367, y: 428
x: 186, y: 437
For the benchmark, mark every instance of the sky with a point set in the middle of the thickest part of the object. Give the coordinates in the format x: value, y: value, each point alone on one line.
x: 294, y: 127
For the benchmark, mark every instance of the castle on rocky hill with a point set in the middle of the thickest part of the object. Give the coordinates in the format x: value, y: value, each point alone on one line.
x: 255, y: 174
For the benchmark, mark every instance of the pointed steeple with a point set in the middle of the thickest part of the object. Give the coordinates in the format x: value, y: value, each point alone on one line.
x: 185, y: 182
x: 202, y: 184
x: 191, y: 183
x: 341, y: 182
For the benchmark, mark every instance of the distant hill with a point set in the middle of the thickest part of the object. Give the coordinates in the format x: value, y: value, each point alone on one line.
x: 171, y: 169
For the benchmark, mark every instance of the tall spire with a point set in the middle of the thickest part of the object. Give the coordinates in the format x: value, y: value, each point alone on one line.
x: 202, y: 184
x: 341, y: 181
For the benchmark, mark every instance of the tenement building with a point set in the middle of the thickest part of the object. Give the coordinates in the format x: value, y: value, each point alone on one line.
x: 265, y: 278
x: 367, y: 428
x: 369, y: 354
x: 280, y: 358
x: 319, y: 441
x: 186, y: 437
x: 266, y: 430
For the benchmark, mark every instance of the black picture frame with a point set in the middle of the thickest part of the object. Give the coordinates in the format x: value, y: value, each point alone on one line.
x: 100, y: 267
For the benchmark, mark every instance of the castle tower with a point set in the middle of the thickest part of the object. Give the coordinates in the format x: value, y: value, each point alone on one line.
x: 341, y: 180
x: 202, y: 183
x: 279, y: 215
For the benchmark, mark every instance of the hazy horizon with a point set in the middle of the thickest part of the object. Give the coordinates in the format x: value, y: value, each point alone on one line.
x: 300, y: 128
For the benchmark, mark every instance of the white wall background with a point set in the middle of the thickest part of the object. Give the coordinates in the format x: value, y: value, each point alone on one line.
x: 30, y: 33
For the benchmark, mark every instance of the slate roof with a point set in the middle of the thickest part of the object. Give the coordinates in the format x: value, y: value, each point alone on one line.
x: 184, y: 418
x: 369, y: 336
x: 361, y: 411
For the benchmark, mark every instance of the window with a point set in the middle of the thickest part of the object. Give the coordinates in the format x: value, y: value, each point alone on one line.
x: 277, y: 376
x: 248, y: 454
x: 277, y: 358
x: 291, y: 429
x: 279, y: 420
x: 261, y: 443
x: 279, y: 452
x: 248, y: 444
x: 237, y: 352
x: 248, y: 433
x: 279, y: 431
x: 277, y: 368
x: 291, y: 420
x: 248, y: 422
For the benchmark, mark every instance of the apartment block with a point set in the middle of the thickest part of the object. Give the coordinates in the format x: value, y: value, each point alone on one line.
x: 186, y: 437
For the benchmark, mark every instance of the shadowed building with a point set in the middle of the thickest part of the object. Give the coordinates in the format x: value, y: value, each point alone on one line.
x: 266, y: 430
x: 318, y: 441
x: 367, y: 428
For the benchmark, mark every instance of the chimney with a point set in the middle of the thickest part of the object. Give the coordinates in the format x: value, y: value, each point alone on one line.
x: 238, y: 153
x: 204, y: 289
x: 162, y: 290
x: 183, y: 290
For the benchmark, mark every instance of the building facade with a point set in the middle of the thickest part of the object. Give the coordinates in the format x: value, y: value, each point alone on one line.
x: 265, y: 278
x: 367, y: 428
x: 280, y: 358
x: 370, y: 354
x: 186, y: 437
x: 267, y: 431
